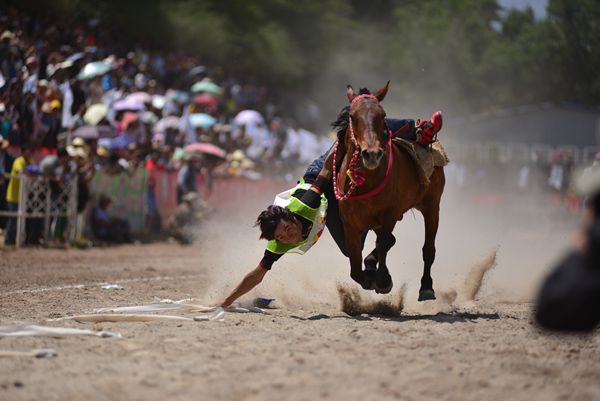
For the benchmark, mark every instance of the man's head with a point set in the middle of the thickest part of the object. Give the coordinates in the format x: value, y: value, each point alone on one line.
x: 280, y: 224
x: 104, y: 202
x: 63, y: 156
x: 27, y: 152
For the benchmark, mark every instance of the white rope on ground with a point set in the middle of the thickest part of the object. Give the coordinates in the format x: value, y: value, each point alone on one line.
x: 120, y: 317
x: 143, y: 313
x: 35, y: 330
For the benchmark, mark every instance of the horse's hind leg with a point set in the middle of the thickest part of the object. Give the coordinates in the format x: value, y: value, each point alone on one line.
x: 430, y: 208
x: 383, y: 279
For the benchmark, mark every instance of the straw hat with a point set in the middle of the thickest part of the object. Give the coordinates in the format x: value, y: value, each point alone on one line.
x: 102, y: 152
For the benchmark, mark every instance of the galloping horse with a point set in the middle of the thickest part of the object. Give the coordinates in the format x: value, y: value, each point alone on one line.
x: 391, y: 187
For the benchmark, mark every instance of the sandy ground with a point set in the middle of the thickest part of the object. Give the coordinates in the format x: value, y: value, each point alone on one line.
x: 307, y: 348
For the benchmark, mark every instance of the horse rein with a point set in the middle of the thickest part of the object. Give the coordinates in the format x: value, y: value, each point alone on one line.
x: 354, y: 161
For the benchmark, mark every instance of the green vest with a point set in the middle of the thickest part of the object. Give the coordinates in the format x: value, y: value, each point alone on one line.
x: 296, y: 206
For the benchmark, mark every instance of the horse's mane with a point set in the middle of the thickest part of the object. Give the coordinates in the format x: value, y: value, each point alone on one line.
x: 341, y: 123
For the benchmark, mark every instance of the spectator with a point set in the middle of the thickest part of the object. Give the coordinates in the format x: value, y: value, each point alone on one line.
x: 55, y: 168
x: 106, y: 228
x: 186, y: 178
x: 6, y: 162
x: 184, y: 219
x: 569, y: 299
x: 13, y: 192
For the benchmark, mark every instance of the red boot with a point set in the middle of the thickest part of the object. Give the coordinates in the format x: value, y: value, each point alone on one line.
x: 427, y: 130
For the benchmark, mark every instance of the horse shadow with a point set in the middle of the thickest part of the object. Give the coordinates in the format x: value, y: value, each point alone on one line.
x: 441, y: 317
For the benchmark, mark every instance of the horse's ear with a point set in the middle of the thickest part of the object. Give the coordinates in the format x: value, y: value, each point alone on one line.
x: 350, y: 93
x: 380, y: 94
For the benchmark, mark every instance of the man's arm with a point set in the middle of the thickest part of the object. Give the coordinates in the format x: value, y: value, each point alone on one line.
x: 250, y: 281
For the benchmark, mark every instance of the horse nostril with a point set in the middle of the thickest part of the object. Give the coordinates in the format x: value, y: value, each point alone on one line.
x: 379, y: 154
x: 365, y: 154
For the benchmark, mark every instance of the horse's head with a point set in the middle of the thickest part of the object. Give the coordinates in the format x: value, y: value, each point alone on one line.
x: 367, y: 128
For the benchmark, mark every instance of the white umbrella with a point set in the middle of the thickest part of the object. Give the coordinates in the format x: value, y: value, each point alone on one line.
x: 248, y: 117
x: 95, y: 113
x: 166, y: 123
x: 139, y: 97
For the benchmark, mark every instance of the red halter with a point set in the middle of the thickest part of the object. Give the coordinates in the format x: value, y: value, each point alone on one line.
x: 354, y: 160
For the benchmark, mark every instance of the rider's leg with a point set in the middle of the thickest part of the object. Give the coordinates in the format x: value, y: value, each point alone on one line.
x: 423, y: 131
x: 427, y: 130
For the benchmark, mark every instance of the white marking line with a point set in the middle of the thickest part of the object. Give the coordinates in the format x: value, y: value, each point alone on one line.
x: 122, y: 281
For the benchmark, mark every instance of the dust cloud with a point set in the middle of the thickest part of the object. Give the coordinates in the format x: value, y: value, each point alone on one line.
x: 468, y: 246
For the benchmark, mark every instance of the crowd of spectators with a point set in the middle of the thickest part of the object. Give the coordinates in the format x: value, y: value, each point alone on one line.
x: 76, y: 98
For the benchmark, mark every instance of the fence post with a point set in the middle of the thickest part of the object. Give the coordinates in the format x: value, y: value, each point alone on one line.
x: 22, y: 210
x: 47, y: 211
x: 71, y: 212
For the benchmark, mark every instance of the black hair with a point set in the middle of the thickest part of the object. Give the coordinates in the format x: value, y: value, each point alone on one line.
x: 268, y: 219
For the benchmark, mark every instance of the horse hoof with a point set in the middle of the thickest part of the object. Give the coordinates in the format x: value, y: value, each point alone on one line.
x: 385, y: 290
x: 426, y: 295
x: 370, y: 263
x: 383, y: 283
x: 368, y: 282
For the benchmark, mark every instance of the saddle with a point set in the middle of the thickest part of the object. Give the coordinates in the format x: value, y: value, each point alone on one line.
x: 425, y: 158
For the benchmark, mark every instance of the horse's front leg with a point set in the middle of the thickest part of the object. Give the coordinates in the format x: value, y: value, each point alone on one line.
x: 354, y: 246
x: 383, y: 280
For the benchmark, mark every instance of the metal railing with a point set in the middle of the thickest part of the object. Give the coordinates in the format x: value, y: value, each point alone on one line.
x: 48, y: 199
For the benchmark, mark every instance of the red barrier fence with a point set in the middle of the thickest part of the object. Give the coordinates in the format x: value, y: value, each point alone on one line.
x: 226, y: 192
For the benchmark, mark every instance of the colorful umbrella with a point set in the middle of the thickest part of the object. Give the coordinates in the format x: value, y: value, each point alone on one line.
x: 169, y: 122
x: 95, y: 132
x: 93, y: 69
x: 202, y: 120
x: 177, y: 96
x: 95, y: 113
x: 119, y: 142
x: 206, y: 148
x: 206, y: 86
x: 205, y: 100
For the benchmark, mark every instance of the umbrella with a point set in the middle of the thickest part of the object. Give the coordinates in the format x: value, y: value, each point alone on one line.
x: 75, y: 57
x: 149, y: 117
x: 119, y: 142
x: 128, y: 119
x: 197, y: 70
x: 128, y: 104
x: 93, y: 69
x: 177, y: 95
x: 166, y: 123
x: 95, y: 113
x: 206, y: 86
x: 139, y: 97
x: 158, y: 101
x: 201, y: 120
x: 95, y: 132
x: 248, y: 117
x: 205, y: 100
x: 206, y: 148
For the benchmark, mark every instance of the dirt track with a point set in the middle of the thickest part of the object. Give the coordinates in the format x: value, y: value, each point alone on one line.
x: 307, y: 351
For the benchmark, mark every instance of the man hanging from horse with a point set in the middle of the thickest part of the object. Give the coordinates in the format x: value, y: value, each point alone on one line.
x: 296, y: 220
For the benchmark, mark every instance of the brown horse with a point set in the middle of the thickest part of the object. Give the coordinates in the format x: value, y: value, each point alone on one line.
x: 391, y: 187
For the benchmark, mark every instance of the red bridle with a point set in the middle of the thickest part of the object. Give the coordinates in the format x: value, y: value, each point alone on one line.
x: 354, y: 160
